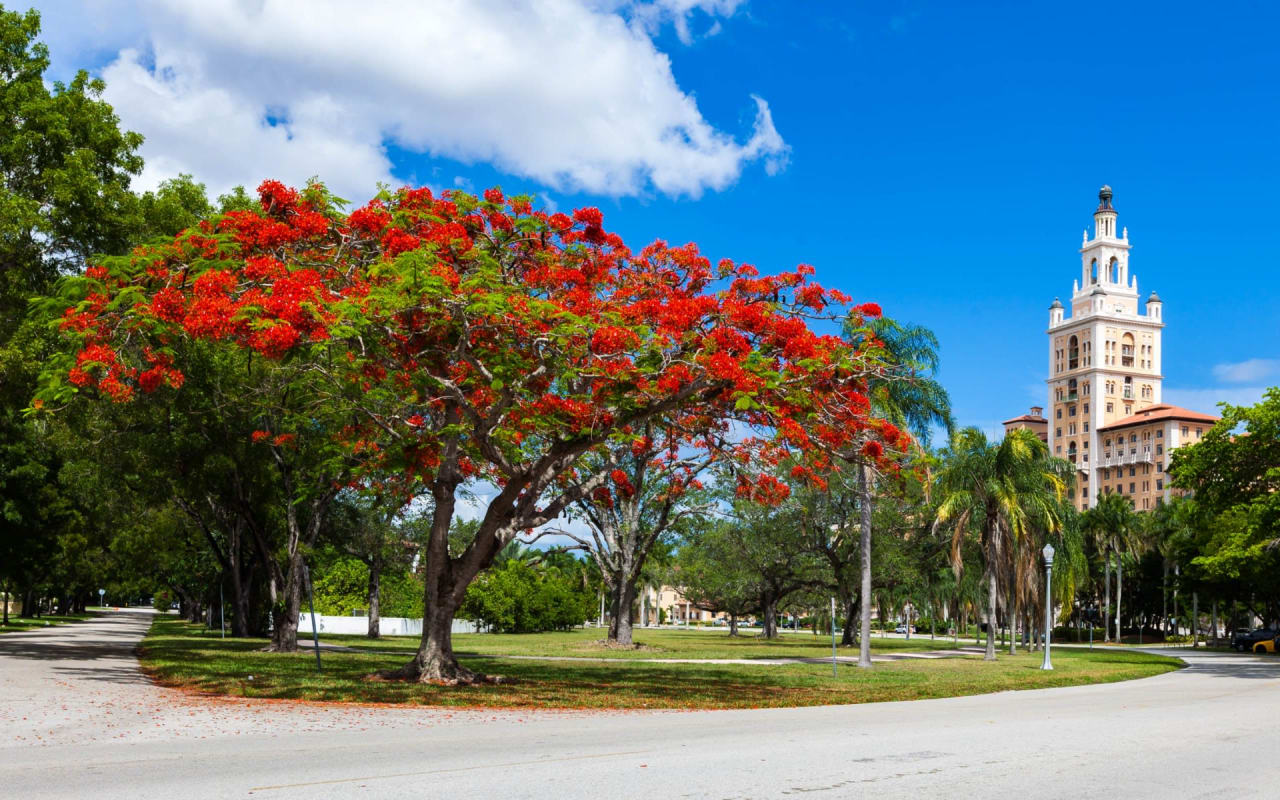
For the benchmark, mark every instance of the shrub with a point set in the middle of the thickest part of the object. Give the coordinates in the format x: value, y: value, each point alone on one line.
x: 516, y: 598
x: 163, y: 600
x: 344, y: 587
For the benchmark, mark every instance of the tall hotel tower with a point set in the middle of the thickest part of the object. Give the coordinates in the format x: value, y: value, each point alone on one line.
x: 1106, y: 414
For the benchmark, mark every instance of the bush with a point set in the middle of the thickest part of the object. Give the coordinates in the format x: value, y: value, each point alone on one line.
x: 344, y: 587
x: 516, y: 598
x: 163, y: 600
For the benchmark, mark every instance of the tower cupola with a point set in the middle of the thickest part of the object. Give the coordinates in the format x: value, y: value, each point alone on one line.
x: 1154, y: 305
x: 1104, y: 219
x: 1055, y: 312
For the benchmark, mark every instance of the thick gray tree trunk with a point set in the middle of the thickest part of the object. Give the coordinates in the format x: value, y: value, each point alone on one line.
x: 284, y: 615
x: 847, y: 637
x: 769, y: 605
x: 375, y: 598
x: 621, y: 625
x: 435, y: 661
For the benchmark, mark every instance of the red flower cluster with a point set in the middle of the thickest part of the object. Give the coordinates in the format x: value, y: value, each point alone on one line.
x: 546, y: 326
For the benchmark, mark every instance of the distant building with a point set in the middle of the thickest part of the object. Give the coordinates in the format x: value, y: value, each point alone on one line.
x: 1034, y: 422
x: 1106, y: 414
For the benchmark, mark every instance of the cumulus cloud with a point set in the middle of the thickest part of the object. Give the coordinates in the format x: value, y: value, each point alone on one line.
x: 1254, y: 369
x: 650, y: 17
x: 574, y: 95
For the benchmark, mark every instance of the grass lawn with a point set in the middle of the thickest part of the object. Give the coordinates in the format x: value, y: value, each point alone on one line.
x: 28, y: 623
x: 654, y: 643
x: 179, y: 654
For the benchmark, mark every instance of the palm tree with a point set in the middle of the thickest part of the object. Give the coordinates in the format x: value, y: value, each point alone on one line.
x: 1002, y: 490
x: 1115, y: 526
x: 907, y: 395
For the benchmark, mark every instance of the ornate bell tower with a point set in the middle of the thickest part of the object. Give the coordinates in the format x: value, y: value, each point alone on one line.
x: 1104, y: 359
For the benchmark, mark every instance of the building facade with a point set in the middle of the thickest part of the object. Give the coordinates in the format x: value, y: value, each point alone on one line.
x: 1034, y: 422
x: 1106, y: 414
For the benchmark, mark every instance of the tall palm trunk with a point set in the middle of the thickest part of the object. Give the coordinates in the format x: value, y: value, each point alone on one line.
x: 1106, y: 603
x: 864, y: 544
x: 1012, y: 611
x: 992, y: 596
x: 1164, y: 600
x: 1119, y: 588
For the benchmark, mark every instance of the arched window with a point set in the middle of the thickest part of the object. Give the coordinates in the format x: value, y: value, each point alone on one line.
x: 1073, y: 353
x: 1093, y: 271
x: 1113, y: 270
x: 1126, y: 351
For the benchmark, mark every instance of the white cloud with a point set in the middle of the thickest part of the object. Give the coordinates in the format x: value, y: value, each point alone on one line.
x: 650, y: 17
x: 1254, y: 369
x: 568, y: 93
x: 1206, y: 400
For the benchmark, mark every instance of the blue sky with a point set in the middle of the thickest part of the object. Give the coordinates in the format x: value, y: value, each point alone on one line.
x: 940, y: 159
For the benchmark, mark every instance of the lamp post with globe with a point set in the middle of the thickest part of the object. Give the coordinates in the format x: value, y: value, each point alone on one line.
x: 1048, y: 603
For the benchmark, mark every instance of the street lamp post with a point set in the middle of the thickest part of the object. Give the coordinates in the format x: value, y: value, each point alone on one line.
x: 1048, y: 603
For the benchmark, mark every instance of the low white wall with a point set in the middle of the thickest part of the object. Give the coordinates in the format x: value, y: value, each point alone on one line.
x: 387, y: 626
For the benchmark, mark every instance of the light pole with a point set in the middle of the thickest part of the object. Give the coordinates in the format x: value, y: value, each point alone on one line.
x: 1048, y: 603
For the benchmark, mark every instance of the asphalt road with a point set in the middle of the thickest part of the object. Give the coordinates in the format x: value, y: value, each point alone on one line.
x: 77, y: 719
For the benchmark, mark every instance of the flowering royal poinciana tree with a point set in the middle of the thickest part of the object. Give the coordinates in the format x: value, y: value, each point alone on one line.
x: 477, y: 341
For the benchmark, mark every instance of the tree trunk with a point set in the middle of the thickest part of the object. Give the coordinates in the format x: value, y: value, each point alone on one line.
x: 992, y: 596
x: 4, y: 598
x: 620, y: 627
x: 1106, y: 603
x: 375, y: 598
x: 1011, y: 611
x: 864, y: 551
x: 733, y: 624
x: 444, y: 589
x: 769, y: 605
x: 240, y: 605
x: 284, y: 614
x: 1164, y: 599
x: 848, y: 638
x: 1119, y: 589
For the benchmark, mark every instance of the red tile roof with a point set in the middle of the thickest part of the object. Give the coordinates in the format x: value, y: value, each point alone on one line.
x: 1025, y: 418
x: 1159, y: 412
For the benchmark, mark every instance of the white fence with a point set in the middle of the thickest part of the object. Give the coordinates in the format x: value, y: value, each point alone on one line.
x: 387, y: 626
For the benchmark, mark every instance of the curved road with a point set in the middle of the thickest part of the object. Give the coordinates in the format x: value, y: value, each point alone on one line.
x: 77, y: 719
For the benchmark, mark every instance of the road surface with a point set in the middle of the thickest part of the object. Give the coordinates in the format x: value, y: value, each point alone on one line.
x: 77, y: 719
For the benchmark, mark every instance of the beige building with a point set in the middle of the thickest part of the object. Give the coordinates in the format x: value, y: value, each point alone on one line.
x: 1034, y: 422
x: 1105, y: 410
x: 678, y: 609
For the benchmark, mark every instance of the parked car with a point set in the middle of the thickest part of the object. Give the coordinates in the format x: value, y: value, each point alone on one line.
x: 1244, y: 641
x: 1266, y: 645
x: 903, y: 629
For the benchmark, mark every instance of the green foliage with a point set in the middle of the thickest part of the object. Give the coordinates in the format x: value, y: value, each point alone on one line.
x: 343, y: 586
x: 176, y: 205
x: 517, y: 598
x: 65, y: 168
